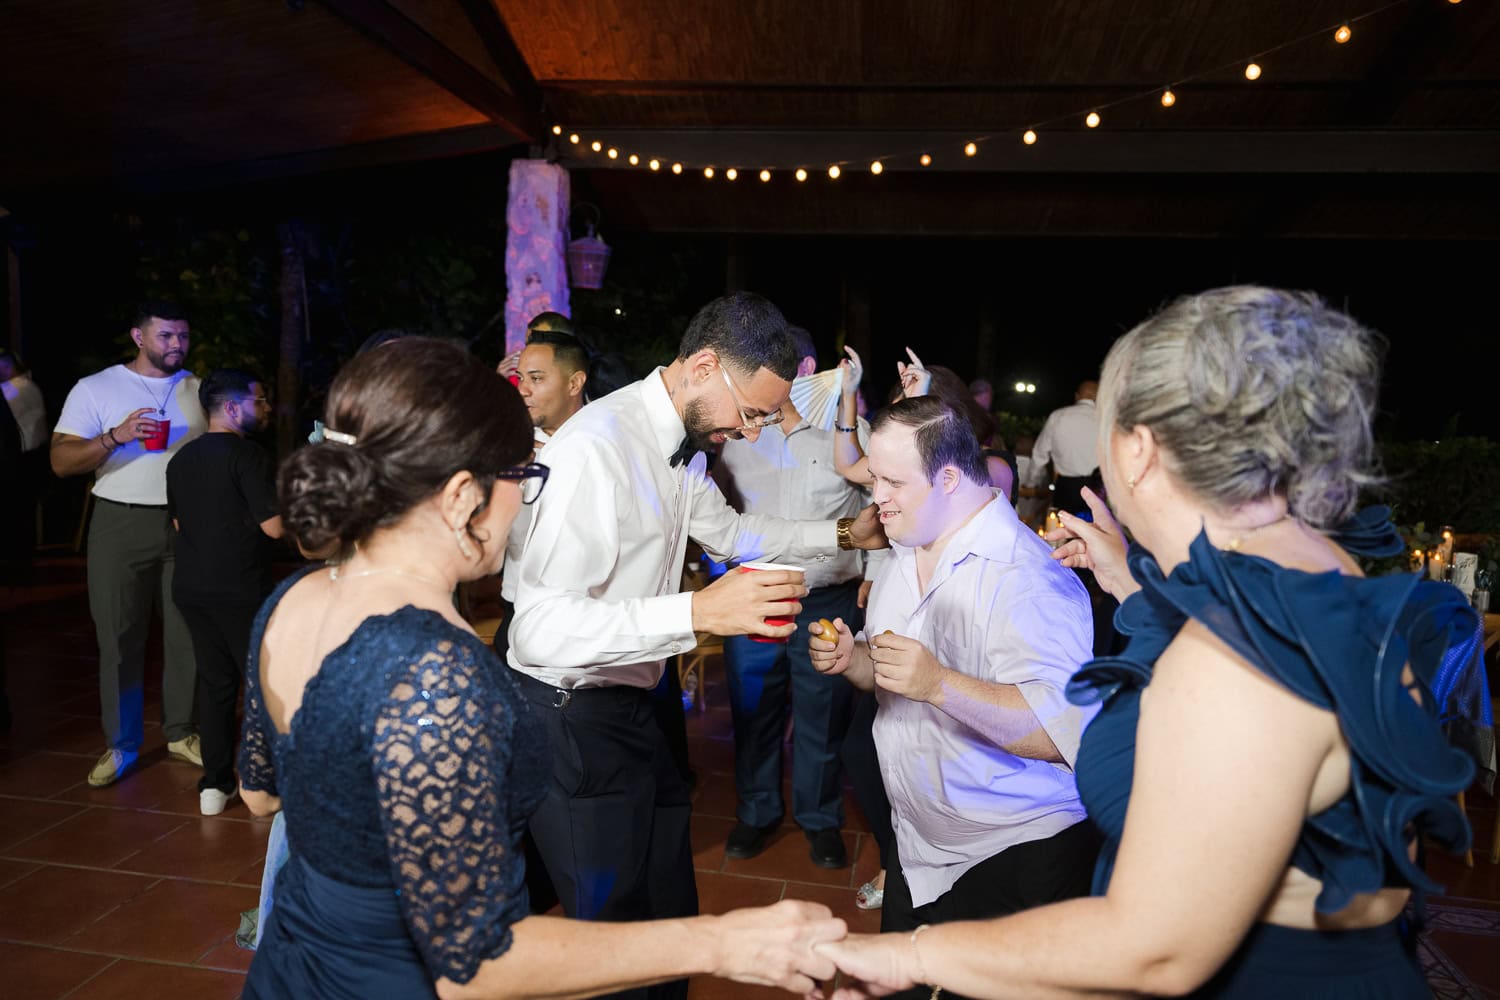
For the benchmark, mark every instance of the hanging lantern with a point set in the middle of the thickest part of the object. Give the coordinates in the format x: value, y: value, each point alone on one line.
x: 588, y: 256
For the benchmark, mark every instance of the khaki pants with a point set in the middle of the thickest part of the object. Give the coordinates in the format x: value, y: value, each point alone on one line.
x: 130, y: 571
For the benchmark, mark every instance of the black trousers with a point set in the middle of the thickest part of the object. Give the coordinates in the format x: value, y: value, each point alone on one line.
x: 1067, y: 492
x: 1018, y: 878
x: 613, y: 828
x: 221, y: 642
x: 862, y: 761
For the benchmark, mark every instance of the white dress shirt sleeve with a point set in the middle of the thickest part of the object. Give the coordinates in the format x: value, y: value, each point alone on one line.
x: 726, y: 534
x: 1041, y: 451
x: 563, y: 617
x: 1037, y: 642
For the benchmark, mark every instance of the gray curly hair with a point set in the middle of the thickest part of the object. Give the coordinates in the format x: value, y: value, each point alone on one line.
x: 1253, y: 392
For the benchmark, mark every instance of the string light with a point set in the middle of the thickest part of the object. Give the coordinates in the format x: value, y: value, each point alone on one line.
x: 655, y: 164
x: 970, y: 149
x: 676, y: 168
x: 1168, y: 98
x: 876, y: 167
x: 1092, y: 121
x: 801, y: 174
x: 765, y: 175
x: 574, y: 138
x: 833, y: 172
x: 557, y: 130
x: 925, y: 160
x: 613, y: 154
x: 731, y: 174
x: 634, y: 160
x: 1252, y: 71
x: 1343, y: 34
x: 708, y: 172
x: 1029, y: 137
x: 596, y: 145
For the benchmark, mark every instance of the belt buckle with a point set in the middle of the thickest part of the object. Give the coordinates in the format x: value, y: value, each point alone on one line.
x: 561, y: 698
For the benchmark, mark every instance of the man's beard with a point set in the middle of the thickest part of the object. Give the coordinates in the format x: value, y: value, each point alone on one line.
x: 700, y: 429
x: 159, y: 362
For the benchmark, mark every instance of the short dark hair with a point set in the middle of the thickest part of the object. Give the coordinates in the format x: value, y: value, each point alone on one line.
x: 943, y: 436
x: 419, y: 410
x: 380, y: 338
x: 747, y: 332
x: 150, y: 309
x: 567, y: 350
x: 548, y: 322
x: 803, y: 341
x: 223, y: 384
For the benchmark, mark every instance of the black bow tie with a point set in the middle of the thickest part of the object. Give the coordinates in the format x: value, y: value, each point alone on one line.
x: 684, y: 453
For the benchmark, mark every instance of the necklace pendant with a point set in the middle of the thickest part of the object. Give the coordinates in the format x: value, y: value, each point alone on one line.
x: 161, y: 410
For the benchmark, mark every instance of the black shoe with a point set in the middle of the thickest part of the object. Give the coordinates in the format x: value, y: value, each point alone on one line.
x: 828, y: 849
x: 746, y: 841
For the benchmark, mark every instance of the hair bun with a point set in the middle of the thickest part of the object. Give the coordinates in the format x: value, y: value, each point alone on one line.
x: 330, y: 496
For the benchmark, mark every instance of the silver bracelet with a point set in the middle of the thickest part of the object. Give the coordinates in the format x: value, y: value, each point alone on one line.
x: 922, y: 969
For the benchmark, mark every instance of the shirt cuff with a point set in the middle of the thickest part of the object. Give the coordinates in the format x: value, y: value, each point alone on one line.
x: 670, y: 617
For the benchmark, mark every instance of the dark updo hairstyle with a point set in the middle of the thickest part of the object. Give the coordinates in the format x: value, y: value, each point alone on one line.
x: 420, y: 410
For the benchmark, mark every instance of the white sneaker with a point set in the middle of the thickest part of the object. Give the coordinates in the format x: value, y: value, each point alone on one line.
x: 110, y: 768
x: 211, y: 801
x: 187, y: 749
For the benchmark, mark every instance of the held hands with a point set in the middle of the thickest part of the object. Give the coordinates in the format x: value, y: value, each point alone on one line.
x: 830, y: 654
x: 915, y: 379
x: 136, y: 427
x: 854, y: 372
x: 739, y: 603
x: 1099, y: 546
x: 873, y: 965
x: 904, y: 666
x: 777, y: 945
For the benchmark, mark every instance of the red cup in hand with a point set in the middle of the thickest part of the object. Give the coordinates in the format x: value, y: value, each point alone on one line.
x: 158, y: 440
x: 752, y: 567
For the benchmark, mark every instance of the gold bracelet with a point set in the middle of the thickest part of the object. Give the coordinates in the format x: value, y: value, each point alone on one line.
x: 922, y: 976
x: 845, y: 535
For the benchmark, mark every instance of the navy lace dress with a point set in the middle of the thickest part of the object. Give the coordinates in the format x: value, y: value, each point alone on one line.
x: 1341, y: 643
x: 407, y: 778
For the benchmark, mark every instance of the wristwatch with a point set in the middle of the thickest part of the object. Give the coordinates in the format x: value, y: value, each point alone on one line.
x: 846, y: 536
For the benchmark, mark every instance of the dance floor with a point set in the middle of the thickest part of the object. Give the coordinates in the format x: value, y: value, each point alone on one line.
x: 128, y: 892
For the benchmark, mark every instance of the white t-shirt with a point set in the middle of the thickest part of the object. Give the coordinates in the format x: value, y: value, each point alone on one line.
x: 131, y: 474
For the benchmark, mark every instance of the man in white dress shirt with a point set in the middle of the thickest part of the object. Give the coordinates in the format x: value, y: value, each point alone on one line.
x: 971, y: 635
x: 1068, y: 441
x: 788, y: 471
x: 598, y: 608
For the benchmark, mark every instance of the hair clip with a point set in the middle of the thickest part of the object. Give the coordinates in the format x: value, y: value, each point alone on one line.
x: 329, y: 434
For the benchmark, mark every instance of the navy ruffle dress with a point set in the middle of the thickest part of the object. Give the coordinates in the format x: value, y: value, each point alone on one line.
x: 1341, y: 643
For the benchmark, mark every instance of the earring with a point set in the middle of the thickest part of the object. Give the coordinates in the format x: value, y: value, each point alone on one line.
x: 1130, y: 483
x: 464, y: 548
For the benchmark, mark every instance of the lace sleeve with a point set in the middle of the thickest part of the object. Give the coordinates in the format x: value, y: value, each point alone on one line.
x: 256, y: 767
x: 441, y: 749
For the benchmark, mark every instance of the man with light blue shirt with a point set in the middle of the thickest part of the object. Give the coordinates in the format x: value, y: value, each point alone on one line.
x: 971, y: 635
x: 788, y: 471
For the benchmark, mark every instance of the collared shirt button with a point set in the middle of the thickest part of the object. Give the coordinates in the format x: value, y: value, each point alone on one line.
x: 676, y: 647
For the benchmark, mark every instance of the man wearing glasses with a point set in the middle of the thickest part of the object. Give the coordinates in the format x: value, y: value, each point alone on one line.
x: 598, y: 609
x: 221, y: 496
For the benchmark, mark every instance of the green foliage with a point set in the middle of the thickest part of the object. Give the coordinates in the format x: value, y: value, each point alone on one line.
x: 1453, y: 481
x: 1013, y: 425
x: 650, y: 292
x: 225, y: 280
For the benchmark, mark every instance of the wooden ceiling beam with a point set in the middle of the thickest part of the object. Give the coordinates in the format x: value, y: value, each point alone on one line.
x: 386, y: 23
x: 490, y: 26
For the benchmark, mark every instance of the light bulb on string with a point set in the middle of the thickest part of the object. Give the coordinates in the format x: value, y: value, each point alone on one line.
x: 1092, y: 121
x: 731, y: 174
x: 1343, y: 34
x: 708, y: 172
x: 1252, y: 71
x: 833, y: 172
x: 970, y: 149
x: 765, y: 175
x: 801, y: 174
x: 1168, y: 98
x: 613, y: 154
x: 676, y: 168
x: 654, y: 164
x: 634, y: 160
x: 877, y: 167
x: 574, y: 139
x: 557, y: 130
x: 925, y: 160
x: 1029, y: 137
x: 596, y: 145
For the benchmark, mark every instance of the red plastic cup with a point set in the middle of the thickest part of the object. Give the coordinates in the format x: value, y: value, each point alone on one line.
x: 752, y: 567
x: 158, y: 441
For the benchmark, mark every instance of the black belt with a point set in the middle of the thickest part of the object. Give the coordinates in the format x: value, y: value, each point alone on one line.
x: 540, y: 692
x: 132, y: 506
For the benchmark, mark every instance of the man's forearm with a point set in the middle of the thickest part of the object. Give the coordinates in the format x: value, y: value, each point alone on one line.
x: 74, y: 456
x: 861, y: 670
x: 999, y: 713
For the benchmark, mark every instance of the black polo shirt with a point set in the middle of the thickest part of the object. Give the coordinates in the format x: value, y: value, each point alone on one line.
x: 220, y: 487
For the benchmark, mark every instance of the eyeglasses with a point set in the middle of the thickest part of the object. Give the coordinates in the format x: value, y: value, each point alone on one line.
x: 750, y: 423
x: 532, y: 477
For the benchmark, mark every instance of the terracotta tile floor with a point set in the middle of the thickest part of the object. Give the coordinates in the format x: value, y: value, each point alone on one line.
x: 127, y: 892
